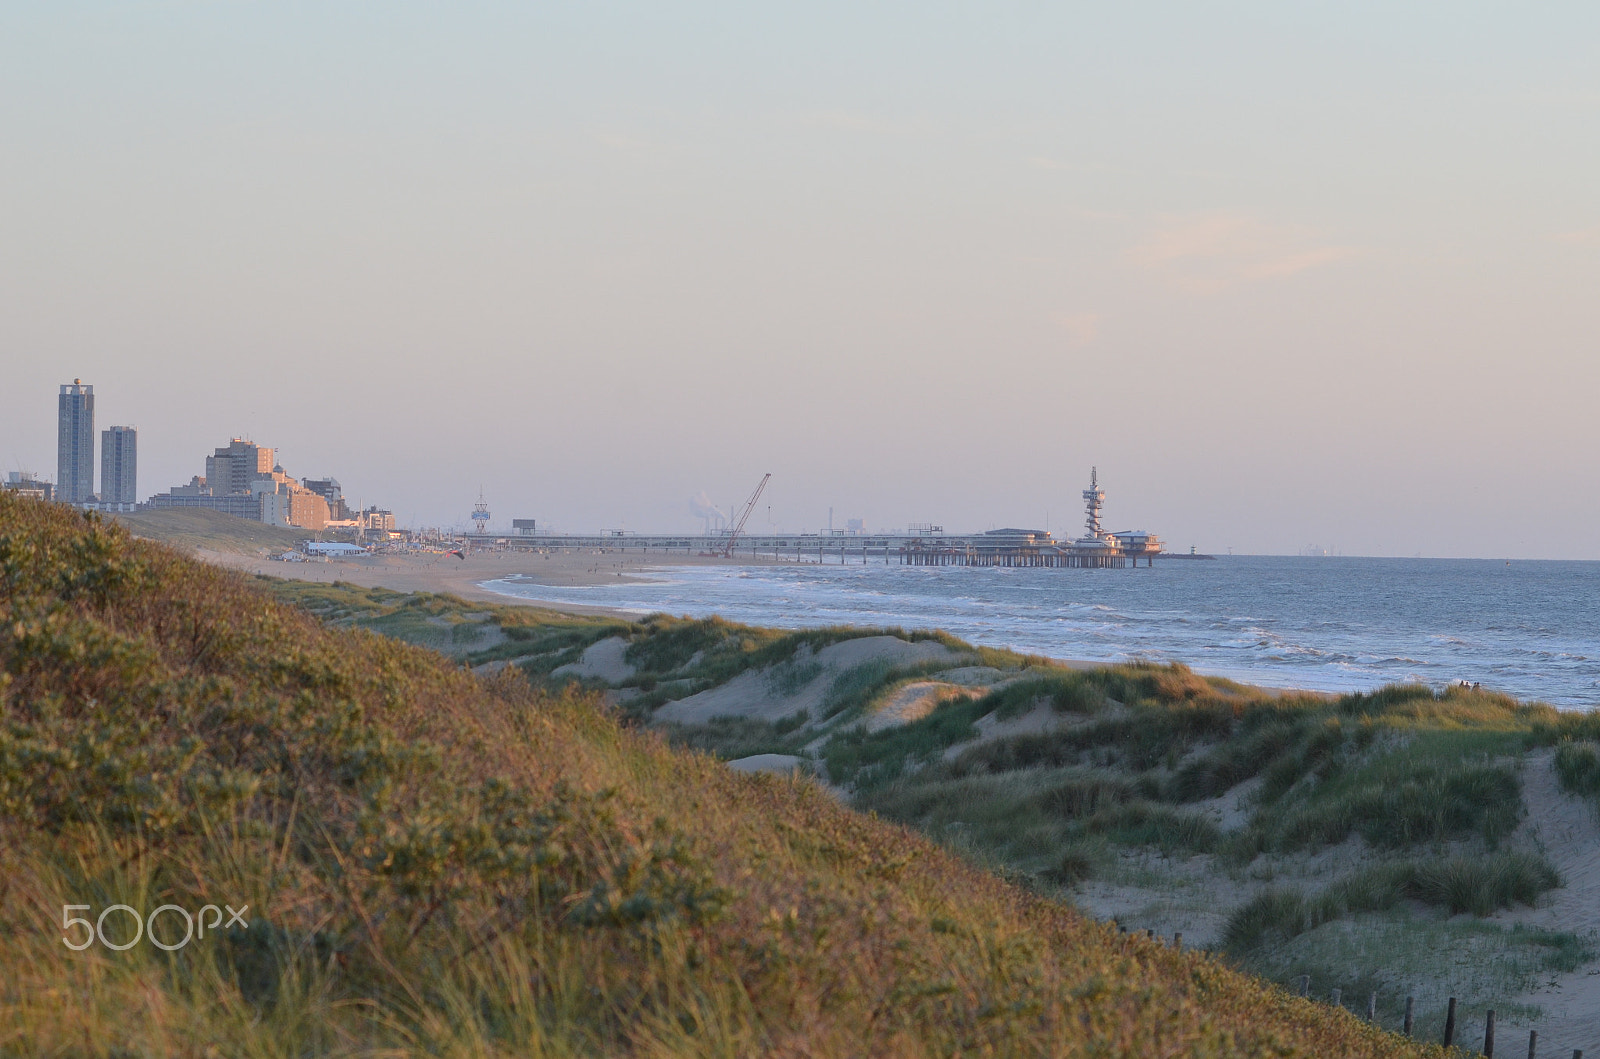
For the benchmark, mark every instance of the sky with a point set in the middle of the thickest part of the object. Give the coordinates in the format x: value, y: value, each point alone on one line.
x: 1288, y: 274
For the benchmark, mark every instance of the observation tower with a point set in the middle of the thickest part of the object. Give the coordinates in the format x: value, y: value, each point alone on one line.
x: 1094, y: 499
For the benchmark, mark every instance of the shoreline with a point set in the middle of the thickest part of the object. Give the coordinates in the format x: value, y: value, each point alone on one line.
x: 448, y: 575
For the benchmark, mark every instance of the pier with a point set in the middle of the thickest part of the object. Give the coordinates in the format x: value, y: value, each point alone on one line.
x: 996, y: 548
x: 1097, y: 549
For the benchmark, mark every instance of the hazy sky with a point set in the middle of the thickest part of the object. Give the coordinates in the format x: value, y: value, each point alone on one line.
x: 1288, y: 273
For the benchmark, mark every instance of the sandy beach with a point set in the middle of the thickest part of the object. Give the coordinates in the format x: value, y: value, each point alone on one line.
x: 461, y: 577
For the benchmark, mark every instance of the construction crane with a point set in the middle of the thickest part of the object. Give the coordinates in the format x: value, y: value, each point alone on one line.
x: 744, y: 516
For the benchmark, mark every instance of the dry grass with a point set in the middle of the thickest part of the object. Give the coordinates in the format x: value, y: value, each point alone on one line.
x: 439, y: 865
x: 200, y: 528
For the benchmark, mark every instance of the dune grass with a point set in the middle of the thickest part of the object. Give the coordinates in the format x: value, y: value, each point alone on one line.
x: 1577, y: 768
x: 437, y: 864
x: 1479, y: 885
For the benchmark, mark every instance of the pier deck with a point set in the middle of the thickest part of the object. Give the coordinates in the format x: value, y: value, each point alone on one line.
x: 1001, y: 548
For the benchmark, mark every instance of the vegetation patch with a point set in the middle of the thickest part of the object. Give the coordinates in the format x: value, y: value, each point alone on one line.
x: 731, y: 738
x: 868, y: 760
x: 1405, y: 798
x: 1577, y: 767
x: 1479, y: 885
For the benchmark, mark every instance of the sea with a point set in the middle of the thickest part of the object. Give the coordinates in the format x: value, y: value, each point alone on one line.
x: 1527, y: 628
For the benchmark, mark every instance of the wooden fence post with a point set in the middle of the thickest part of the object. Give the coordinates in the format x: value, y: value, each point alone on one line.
x: 1335, y: 997
x: 1177, y: 940
x: 1411, y: 1008
x: 1372, y: 1007
x: 1305, y: 984
x: 1450, y: 1023
x: 1488, y: 1035
x: 1533, y: 1043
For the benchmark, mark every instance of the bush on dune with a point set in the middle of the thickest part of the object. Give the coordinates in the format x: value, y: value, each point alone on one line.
x: 1478, y: 885
x: 1577, y: 768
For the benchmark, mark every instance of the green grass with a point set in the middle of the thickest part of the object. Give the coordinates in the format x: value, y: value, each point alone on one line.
x: 731, y: 738
x: 1143, y: 823
x: 1069, y: 692
x: 1431, y: 787
x: 788, y: 678
x: 869, y: 760
x: 719, y: 650
x: 1577, y: 768
x: 1479, y: 885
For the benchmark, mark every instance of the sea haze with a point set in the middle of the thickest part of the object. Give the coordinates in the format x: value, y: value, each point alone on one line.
x: 1531, y: 629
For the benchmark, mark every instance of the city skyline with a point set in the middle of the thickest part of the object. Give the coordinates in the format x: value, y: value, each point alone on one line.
x: 1285, y: 276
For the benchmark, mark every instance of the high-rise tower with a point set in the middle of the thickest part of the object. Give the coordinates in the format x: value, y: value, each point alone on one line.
x: 75, y: 444
x: 119, y: 473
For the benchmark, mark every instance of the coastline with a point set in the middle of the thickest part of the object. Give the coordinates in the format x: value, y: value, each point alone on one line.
x: 448, y: 575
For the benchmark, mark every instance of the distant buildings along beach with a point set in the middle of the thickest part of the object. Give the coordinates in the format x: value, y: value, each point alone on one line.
x: 242, y: 479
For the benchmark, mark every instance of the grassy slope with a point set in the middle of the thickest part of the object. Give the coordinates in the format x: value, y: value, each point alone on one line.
x: 441, y: 865
x: 1428, y: 783
x: 213, y: 530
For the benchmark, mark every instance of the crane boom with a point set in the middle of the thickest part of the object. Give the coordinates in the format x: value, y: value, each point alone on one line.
x: 744, y: 516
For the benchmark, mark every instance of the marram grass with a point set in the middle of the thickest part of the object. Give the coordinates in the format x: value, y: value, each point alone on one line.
x: 436, y: 864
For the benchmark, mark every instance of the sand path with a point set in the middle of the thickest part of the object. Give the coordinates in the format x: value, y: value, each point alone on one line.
x: 1567, y: 830
x: 606, y: 660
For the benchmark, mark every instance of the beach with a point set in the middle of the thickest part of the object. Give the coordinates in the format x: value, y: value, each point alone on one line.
x: 448, y: 574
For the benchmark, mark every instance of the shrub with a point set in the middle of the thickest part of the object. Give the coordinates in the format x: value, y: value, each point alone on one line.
x: 1082, y: 795
x: 1276, y: 914
x: 1577, y: 768
x: 871, y: 759
x: 1479, y: 885
x: 1399, y: 801
x: 1076, y: 864
x: 1142, y: 823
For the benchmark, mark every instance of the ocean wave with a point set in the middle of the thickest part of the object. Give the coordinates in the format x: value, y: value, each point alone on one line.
x: 1369, y: 624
